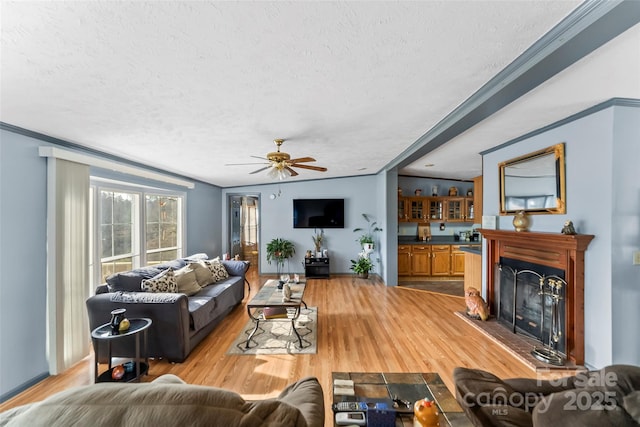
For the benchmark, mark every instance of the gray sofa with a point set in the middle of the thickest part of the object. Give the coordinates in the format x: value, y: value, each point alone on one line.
x: 168, y: 401
x: 180, y: 321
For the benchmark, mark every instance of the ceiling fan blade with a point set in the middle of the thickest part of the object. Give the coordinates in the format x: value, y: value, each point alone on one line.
x: 258, y: 157
x: 313, y: 168
x: 302, y: 160
x: 243, y: 164
x: 259, y: 170
x: 291, y: 171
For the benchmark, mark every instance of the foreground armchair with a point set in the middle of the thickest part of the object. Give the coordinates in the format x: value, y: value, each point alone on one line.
x: 168, y: 401
x: 602, y: 398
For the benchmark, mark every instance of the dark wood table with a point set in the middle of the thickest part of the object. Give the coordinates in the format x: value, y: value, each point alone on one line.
x: 409, y: 387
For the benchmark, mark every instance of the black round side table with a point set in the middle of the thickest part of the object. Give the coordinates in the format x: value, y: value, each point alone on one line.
x: 103, y: 334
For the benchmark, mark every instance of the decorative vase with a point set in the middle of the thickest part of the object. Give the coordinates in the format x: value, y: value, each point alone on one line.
x: 453, y: 191
x: 117, y: 316
x: 521, y: 221
x: 286, y: 293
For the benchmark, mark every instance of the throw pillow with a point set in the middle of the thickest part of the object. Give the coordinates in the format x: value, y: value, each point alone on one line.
x: 163, y: 282
x: 203, y: 274
x: 217, y: 270
x: 187, y: 282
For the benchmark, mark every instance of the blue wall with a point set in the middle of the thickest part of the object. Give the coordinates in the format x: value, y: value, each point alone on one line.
x: 361, y: 195
x: 603, y: 196
x: 23, y: 207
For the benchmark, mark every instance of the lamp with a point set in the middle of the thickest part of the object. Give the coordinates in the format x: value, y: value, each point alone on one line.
x: 279, y: 171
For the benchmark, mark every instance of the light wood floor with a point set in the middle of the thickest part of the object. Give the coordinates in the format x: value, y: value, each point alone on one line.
x: 362, y: 327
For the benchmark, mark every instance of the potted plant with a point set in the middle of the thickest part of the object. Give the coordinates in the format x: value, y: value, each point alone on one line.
x: 366, y: 239
x: 278, y: 250
x: 318, y: 238
x: 362, y: 266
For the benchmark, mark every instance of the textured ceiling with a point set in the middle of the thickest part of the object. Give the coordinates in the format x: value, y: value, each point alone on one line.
x: 192, y: 86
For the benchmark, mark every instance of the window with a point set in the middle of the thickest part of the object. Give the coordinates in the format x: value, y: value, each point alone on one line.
x: 162, y: 226
x: 132, y: 227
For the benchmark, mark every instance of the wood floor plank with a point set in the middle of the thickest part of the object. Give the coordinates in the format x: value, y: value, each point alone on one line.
x: 363, y: 326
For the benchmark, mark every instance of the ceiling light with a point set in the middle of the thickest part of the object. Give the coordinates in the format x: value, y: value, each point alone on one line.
x: 429, y: 165
x: 279, y: 171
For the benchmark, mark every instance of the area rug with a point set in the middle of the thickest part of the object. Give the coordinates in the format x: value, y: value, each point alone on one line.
x: 277, y: 337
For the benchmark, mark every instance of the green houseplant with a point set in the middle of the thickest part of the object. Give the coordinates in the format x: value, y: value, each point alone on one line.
x: 362, y: 266
x: 366, y: 238
x: 279, y: 250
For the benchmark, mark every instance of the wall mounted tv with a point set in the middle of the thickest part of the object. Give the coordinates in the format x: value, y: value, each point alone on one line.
x: 318, y: 213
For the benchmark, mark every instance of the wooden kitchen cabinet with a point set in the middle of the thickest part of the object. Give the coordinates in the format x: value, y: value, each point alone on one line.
x: 477, y: 200
x: 457, y: 261
x: 421, y: 260
x: 440, y: 260
x: 404, y: 260
x: 455, y: 209
x: 403, y: 209
x: 417, y: 209
x: 436, y: 210
x: 469, y: 209
x: 431, y: 260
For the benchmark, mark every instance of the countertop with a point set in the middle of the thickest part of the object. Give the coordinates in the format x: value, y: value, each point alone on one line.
x: 476, y: 250
x: 436, y: 240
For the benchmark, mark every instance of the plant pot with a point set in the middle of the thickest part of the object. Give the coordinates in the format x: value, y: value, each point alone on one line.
x: 367, y: 247
x: 363, y: 275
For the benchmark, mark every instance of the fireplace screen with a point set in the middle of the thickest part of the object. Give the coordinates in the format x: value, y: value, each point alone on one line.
x: 531, y: 301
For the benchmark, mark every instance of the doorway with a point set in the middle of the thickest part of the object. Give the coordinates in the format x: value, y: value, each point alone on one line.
x: 244, y: 228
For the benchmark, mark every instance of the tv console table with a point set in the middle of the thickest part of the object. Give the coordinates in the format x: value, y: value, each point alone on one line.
x: 317, y: 268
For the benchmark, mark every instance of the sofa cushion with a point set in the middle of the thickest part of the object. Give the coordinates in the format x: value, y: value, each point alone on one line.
x: 202, y: 310
x: 203, y: 274
x: 196, y: 257
x: 235, y: 268
x: 187, y: 281
x: 631, y: 404
x: 175, y: 264
x: 131, y: 281
x: 163, y: 282
x: 217, y: 270
x: 306, y: 395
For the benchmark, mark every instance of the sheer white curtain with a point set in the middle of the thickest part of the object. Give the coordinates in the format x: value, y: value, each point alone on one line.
x: 67, y: 263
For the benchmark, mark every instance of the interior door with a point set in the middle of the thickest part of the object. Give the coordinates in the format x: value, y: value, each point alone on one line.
x: 244, y: 227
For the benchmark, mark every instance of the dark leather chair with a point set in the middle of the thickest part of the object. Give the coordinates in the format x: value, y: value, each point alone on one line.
x: 606, y: 397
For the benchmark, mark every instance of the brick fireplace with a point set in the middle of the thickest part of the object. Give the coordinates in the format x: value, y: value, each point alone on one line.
x: 559, y: 252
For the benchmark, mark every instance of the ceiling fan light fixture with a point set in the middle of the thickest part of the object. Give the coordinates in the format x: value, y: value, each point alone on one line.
x: 279, y: 171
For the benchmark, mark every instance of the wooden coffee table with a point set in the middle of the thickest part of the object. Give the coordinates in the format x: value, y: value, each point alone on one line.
x: 408, y: 387
x: 270, y: 296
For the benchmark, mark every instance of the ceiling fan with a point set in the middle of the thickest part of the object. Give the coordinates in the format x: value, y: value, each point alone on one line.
x: 281, y: 164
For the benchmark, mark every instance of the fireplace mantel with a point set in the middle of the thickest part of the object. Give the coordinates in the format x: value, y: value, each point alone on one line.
x: 562, y: 251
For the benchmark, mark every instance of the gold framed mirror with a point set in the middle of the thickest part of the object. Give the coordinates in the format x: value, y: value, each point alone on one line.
x: 534, y: 183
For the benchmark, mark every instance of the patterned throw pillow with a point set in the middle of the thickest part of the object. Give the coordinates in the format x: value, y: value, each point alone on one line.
x: 217, y: 270
x: 163, y: 282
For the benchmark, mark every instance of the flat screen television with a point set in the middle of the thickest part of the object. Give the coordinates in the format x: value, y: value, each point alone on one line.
x: 318, y: 213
